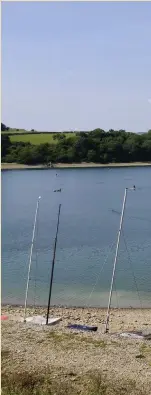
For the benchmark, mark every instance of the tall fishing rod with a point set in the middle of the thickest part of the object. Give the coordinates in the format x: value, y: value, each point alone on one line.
x: 30, y: 257
x: 52, y: 269
x: 116, y: 256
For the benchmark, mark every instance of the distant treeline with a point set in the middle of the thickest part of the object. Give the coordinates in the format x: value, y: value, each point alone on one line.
x: 19, y: 132
x: 97, y: 146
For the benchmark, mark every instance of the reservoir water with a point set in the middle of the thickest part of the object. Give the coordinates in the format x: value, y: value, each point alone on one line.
x: 90, y: 213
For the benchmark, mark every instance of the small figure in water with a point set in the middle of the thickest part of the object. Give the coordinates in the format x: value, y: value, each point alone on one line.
x: 134, y: 187
x: 57, y: 190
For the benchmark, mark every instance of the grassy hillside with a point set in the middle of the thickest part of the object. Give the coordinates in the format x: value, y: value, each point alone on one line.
x: 36, y: 139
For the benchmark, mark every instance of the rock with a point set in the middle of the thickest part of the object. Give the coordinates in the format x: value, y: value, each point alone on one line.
x: 147, y: 334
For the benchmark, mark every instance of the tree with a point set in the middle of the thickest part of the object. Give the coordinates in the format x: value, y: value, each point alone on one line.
x: 132, y: 149
x: 91, y: 156
x: 146, y: 154
x: 97, y: 133
x: 27, y: 155
x: 5, y: 144
x: 4, y: 128
x: 59, y: 136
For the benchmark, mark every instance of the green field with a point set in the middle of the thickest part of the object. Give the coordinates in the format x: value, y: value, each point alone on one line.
x: 37, y: 138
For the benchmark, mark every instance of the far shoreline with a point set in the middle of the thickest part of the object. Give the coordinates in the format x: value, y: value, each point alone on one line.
x: 70, y: 307
x: 17, y: 166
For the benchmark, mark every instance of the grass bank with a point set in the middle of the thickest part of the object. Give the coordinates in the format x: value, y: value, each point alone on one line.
x: 17, y: 166
x: 66, y: 383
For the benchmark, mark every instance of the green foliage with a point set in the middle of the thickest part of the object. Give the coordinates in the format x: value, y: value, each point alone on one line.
x: 4, y: 128
x: 5, y: 144
x: 96, y: 146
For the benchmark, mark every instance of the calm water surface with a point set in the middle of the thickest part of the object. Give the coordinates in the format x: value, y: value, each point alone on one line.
x: 86, y: 240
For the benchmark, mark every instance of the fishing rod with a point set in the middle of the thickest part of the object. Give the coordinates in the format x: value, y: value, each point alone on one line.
x: 30, y: 257
x: 116, y: 256
x: 53, y: 263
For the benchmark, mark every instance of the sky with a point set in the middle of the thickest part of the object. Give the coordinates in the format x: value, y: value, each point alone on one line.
x: 76, y: 65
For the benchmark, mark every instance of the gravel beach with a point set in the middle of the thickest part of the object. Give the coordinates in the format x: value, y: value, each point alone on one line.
x: 73, y: 356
